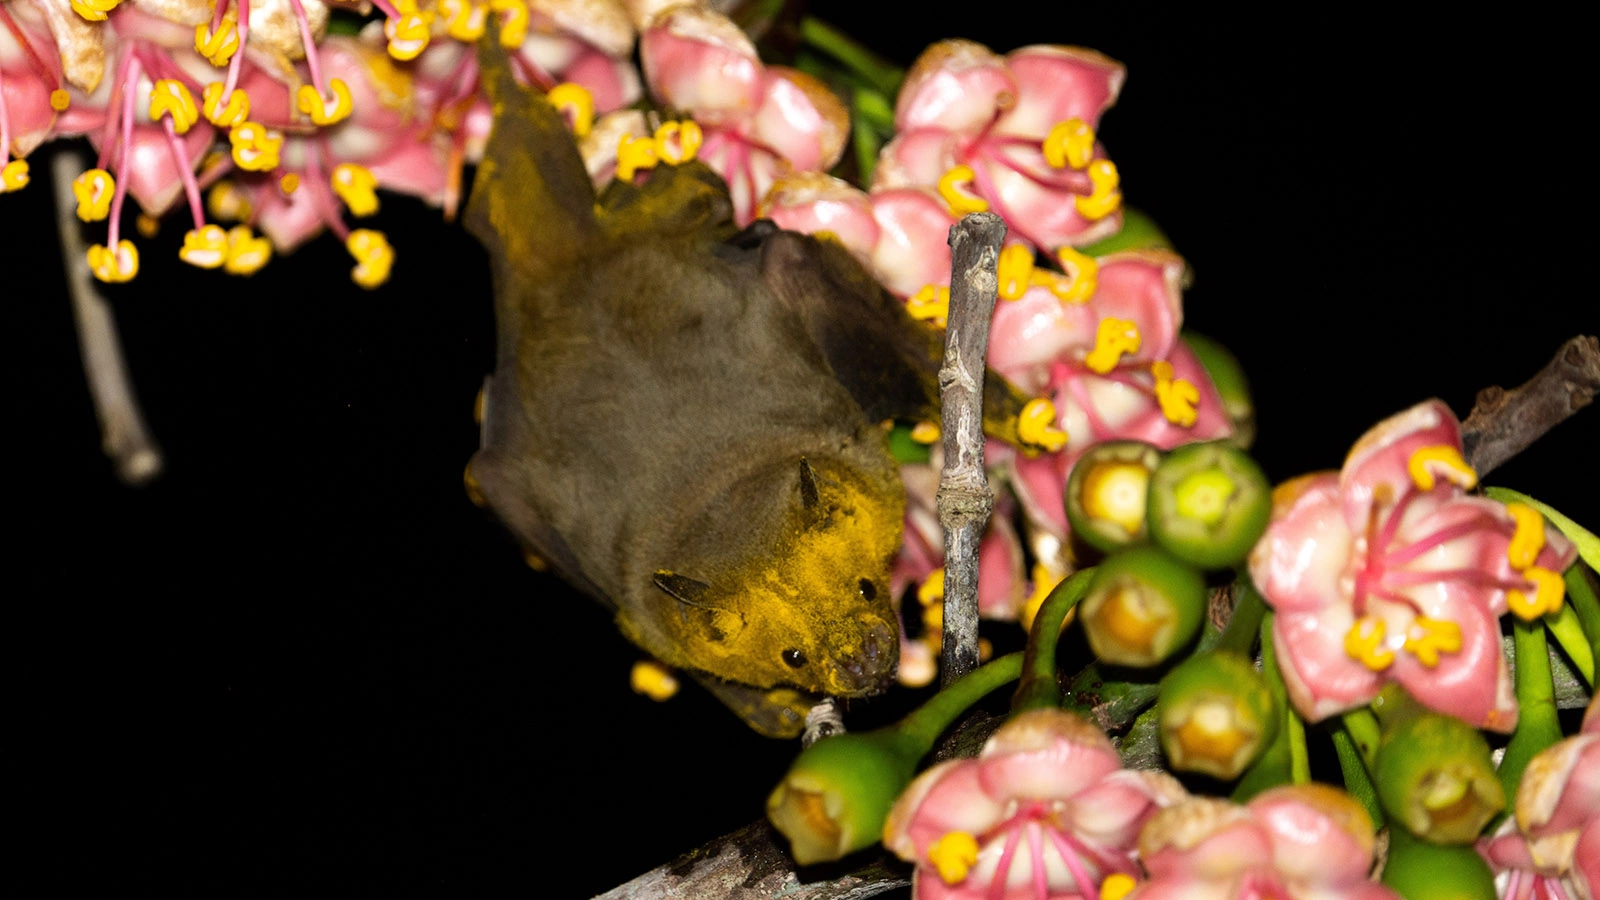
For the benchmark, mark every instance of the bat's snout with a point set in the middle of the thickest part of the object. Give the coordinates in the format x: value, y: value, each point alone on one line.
x: 864, y: 662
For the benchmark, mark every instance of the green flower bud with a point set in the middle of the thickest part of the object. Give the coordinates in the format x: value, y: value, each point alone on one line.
x: 1208, y: 504
x: 1106, y: 493
x: 1418, y: 870
x: 838, y: 791
x: 1228, y: 377
x: 1142, y: 605
x: 1216, y: 714
x: 1436, y: 778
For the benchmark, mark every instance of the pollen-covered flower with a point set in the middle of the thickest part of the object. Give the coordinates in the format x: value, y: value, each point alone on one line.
x: 759, y: 122
x: 1389, y: 571
x: 1551, y: 847
x: 1299, y: 842
x: 1045, y: 812
x: 1014, y: 135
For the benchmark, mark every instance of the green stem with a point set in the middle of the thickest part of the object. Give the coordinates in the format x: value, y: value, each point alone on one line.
x: 871, y: 112
x: 1040, y: 686
x: 857, y: 58
x: 1537, y: 724
x: 1363, y: 729
x: 1564, y: 627
x: 1277, y: 764
x: 1299, y: 758
x: 925, y: 724
x: 1581, y: 597
x: 1357, y: 780
x: 1240, y: 635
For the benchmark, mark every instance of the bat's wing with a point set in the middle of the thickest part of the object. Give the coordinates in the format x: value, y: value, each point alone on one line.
x: 888, y: 361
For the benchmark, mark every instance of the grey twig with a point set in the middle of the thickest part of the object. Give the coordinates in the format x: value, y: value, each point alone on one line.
x: 964, y: 499
x: 1503, y: 423
x: 124, y: 436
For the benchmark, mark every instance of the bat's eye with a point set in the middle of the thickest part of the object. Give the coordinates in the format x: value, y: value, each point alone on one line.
x: 869, y: 591
x: 794, y: 658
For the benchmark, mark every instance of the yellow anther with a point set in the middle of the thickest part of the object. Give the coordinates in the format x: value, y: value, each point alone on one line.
x: 226, y: 202
x: 246, y: 252
x: 465, y: 19
x: 289, y: 183
x: 14, y: 177
x: 634, y: 154
x: 678, y: 142
x: 374, y: 257
x: 931, y: 304
x: 217, y: 46
x: 115, y: 267
x: 169, y: 97
x: 1116, y: 886
x: 931, y: 590
x: 1015, y: 271
x: 1069, y: 143
x: 1441, y: 460
x: 94, y: 10
x: 959, y: 201
x: 1044, y: 581
x: 255, y: 147
x: 953, y: 856
x: 325, y: 109
x: 220, y: 114
x: 1112, y: 339
x: 409, y: 31
x: 1083, y: 276
x: 653, y: 680
x: 1364, y: 644
x: 576, y: 101
x: 1106, y: 198
x: 147, y: 225
x: 1177, y: 396
x: 1426, y: 638
x: 94, y: 190
x: 1036, y: 425
x: 205, y: 247
x: 925, y: 432
x: 357, y: 187
x: 513, y: 21
x: 1529, y: 537
x: 1550, y: 592
x: 60, y: 100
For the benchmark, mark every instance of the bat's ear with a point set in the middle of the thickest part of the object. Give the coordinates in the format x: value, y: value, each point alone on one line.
x: 532, y: 205
x: 811, y: 493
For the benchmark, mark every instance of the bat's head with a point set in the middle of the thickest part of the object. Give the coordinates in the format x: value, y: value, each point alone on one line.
x: 800, y: 600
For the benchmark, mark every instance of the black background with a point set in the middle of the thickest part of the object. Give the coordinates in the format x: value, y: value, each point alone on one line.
x: 302, y: 665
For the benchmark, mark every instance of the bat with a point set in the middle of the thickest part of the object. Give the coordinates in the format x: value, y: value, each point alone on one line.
x: 685, y: 420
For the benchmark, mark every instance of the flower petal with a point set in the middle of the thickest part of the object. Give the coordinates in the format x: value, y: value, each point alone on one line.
x: 954, y: 85
x: 698, y: 60
x: 1378, y: 467
x: 1059, y: 83
x: 801, y: 119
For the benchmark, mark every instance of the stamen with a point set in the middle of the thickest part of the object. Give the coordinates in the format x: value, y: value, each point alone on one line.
x: 325, y: 102
x: 677, y: 142
x: 953, y: 856
x: 171, y: 99
x: 1069, y: 143
x: 94, y: 190
x: 466, y: 20
x: 1440, y: 460
x: 236, y: 64
x: 1002, y: 870
x: 94, y: 10
x: 185, y: 168
x: 355, y: 184
x: 289, y: 183
x: 14, y: 176
x: 931, y: 591
x: 114, y: 267
x: 225, y: 201
x: 205, y: 247
x: 374, y: 257
x: 1041, y: 880
x: 60, y: 100
x: 960, y: 202
x: 1113, y: 338
x: 220, y: 114
x: 653, y: 680
x: 1528, y: 540
x: 1177, y: 397
x: 925, y: 432
x: 1083, y: 274
x: 255, y: 147
x: 1550, y: 592
x: 513, y: 21
x: 1015, y: 271
x: 246, y: 252
x: 217, y: 42
x: 128, y: 85
x: 1106, y: 198
x: 1036, y: 425
x: 1443, y: 536
x: 1364, y: 643
x: 1072, y: 856
x: 1427, y: 637
x: 575, y: 101
x: 634, y: 154
x: 931, y: 304
x: 1117, y: 886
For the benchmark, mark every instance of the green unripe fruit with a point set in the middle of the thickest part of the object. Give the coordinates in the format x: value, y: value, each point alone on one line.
x: 1216, y: 714
x: 1435, y: 777
x: 1107, y: 493
x: 1142, y: 605
x: 1419, y: 870
x: 1208, y: 504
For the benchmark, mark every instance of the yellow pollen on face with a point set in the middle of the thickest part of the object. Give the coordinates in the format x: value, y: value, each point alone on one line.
x: 1106, y: 198
x: 951, y: 189
x: 60, y: 100
x: 931, y: 304
x: 653, y: 680
x: 1177, y: 397
x: 678, y: 142
x: 1112, y: 339
x: 1426, y: 638
x: 1550, y: 592
x: 205, y: 247
x: 953, y: 856
x: 634, y: 154
x: 1069, y: 143
x: 1083, y: 274
x: 1364, y: 643
x: 1015, y: 271
x: 1529, y: 537
x: 169, y: 97
x: 1115, y: 492
x: 1036, y: 425
x: 94, y: 190
x: 575, y: 101
x: 1441, y: 460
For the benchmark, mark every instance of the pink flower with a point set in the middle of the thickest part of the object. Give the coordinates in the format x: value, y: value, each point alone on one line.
x: 759, y: 122
x: 1013, y: 134
x: 1110, y: 360
x: 1551, y: 847
x: 1045, y: 811
x: 1389, y: 571
x: 1299, y: 841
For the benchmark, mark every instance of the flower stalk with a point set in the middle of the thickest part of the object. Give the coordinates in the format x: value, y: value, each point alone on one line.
x: 1039, y: 686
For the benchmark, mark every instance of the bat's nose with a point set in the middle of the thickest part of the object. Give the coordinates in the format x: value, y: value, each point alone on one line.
x: 866, y: 664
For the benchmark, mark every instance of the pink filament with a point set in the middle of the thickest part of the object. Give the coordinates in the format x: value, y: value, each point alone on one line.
x: 1002, y: 870
x: 185, y: 171
x: 1442, y: 536
x: 318, y: 186
x: 1041, y: 883
x: 237, y: 63
x: 310, y: 47
x: 1070, y: 854
x: 128, y: 85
